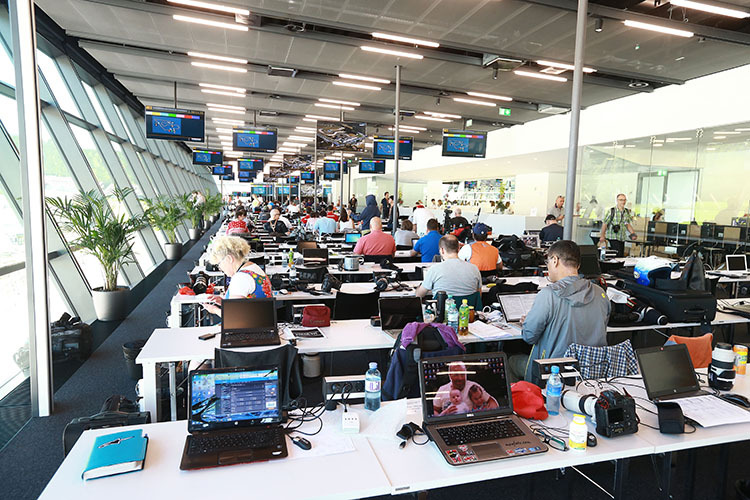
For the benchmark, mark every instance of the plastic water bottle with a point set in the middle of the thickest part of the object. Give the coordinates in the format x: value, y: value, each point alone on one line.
x: 372, y: 388
x: 451, y: 313
x: 554, y: 391
x: 463, y: 318
x: 290, y: 258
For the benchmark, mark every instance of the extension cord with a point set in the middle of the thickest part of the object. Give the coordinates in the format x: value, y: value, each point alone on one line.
x: 350, y: 422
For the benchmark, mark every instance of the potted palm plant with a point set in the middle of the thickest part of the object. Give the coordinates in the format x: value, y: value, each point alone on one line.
x: 193, y: 213
x: 213, y: 206
x: 106, y: 232
x: 166, y: 214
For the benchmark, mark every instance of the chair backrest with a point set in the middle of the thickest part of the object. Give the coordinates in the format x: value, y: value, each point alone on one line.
x: 491, y: 272
x: 311, y: 274
x: 475, y: 299
x: 377, y: 258
x: 700, y: 348
x: 285, y: 357
x: 355, y: 305
x: 606, y: 361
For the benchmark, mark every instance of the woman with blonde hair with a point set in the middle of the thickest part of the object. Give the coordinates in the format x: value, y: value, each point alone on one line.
x: 247, y: 279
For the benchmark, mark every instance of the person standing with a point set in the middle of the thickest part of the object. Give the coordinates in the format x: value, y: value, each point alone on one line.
x: 420, y: 216
x: 616, y: 227
x: 371, y: 210
x: 353, y: 204
x: 557, y: 209
x: 384, y: 206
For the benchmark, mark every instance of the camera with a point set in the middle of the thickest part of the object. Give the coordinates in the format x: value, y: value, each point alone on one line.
x: 615, y: 414
x: 200, y: 285
x: 616, y: 228
x: 330, y: 282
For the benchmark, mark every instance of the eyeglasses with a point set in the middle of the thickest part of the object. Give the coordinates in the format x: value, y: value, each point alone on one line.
x: 554, y: 442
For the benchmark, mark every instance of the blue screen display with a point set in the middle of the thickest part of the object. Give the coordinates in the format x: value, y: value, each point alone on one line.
x: 250, y: 164
x: 175, y: 124
x: 464, y: 143
x: 307, y: 176
x: 332, y: 166
x: 205, y: 157
x: 372, y: 166
x: 257, y: 140
x: 385, y: 147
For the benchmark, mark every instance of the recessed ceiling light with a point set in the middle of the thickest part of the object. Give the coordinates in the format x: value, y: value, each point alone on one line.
x: 212, y: 6
x: 305, y: 129
x: 349, y: 76
x: 227, y: 106
x: 391, y: 52
x: 742, y: 130
x: 334, y: 106
x: 657, y: 28
x: 224, y: 130
x: 228, y: 121
x: 230, y: 111
x: 313, y: 120
x: 336, y: 101
x: 406, y: 39
x: 410, y: 127
x: 490, y: 96
x: 288, y: 150
x: 203, y: 55
x: 723, y: 132
x: 541, y: 76
x: 678, y: 139
x: 710, y: 149
x: 222, y: 92
x: 720, y: 137
x: 439, y: 115
x: 208, y: 22
x: 713, y: 9
x: 225, y: 137
x: 474, y: 101
x: 433, y: 118
x: 294, y: 144
x: 301, y: 138
x: 553, y: 64
x: 219, y: 66
x: 239, y: 90
x: 658, y: 145
x: 324, y: 118
x: 355, y: 85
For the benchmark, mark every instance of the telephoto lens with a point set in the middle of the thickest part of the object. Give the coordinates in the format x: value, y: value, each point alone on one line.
x: 201, y: 284
x: 721, y: 369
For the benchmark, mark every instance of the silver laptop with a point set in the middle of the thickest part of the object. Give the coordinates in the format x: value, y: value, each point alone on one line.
x: 736, y: 264
x: 668, y: 373
x: 467, y: 409
x: 397, y: 312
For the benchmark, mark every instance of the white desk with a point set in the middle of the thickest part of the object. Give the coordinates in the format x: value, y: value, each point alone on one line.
x: 366, y: 268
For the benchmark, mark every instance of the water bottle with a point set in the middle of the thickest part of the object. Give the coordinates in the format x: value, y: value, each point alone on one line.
x: 463, y: 318
x: 451, y: 313
x: 290, y: 258
x: 554, y: 391
x: 292, y: 269
x: 372, y: 388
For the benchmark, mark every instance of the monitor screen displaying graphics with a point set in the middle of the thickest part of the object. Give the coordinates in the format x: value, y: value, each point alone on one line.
x: 293, y: 179
x: 234, y: 397
x: 261, y: 190
x: 219, y: 170
x: 250, y: 164
x: 307, y: 176
x: 308, y: 181
x: 297, y: 162
x: 352, y: 237
x: 207, y: 157
x: 244, y: 174
x: 469, y: 185
x: 332, y: 166
x: 341, y: 136
x: 384, y: 147
x: 244, y: 179
x: 464, y: 143
x: 227, y: 177
x: 175, y: 124
x: 667, y: 370
x: 371, y: 166
x: 331, y: 176
x: 258, y: 140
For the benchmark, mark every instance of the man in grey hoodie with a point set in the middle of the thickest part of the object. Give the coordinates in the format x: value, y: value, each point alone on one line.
x: 571, y: 310
x: 371, y: 210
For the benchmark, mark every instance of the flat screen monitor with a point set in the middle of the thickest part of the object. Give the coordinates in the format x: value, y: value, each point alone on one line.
x: 464, y: 143
x: 175, y: 124
x: 371, y: 166
x: 297, y: 162
x: 307, y: 176
x: 244, y: 174
x: 293, y: 179
x: 257, y: 140
x: 341, y: 136
x: 352, y: 237
x: 244, y: 179
x: 207, y: 157
x: 261, y: 190
x: 469, y: 185
x: 308, y: 181
x: 332, y: 166
x: 250, y: 164
x: 384, y: 147
x: 227, y: 177
x: 218, y: 170
x: 331, y: 176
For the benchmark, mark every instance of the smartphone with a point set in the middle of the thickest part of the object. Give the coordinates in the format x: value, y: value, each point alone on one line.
x: 208, y: 336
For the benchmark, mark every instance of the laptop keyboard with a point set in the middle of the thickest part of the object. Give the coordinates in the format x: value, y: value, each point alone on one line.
x: 242, y: 337
x: 483, y: 431
x: 270, y: 438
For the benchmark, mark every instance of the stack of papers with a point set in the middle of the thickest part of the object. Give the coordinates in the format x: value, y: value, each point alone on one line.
x: 710, y: 411
x: 494, y: 332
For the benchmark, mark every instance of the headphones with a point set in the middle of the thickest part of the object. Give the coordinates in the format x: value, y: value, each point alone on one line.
x: 382, y: 282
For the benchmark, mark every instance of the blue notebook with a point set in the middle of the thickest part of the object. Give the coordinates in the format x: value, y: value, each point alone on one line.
x: 117, y: 453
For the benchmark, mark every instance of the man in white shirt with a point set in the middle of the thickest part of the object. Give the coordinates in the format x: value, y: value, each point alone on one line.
x: 293, y: 208
x: 420, y: 216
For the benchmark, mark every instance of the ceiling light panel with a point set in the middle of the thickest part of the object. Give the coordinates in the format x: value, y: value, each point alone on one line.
x: 203, y: 55
x: 541, y: 76
x: 211, y: 6
x: 227, y: 106
x: 239, y: 90
x: 713, y: 9
x: 334, y: 106
x: 208, y: 22
x: 355, y: 85
x: 432, y: 118
x: 391, y: 52
x: 490, y: 96
x: 440, y: 115
x: 657, y: 28
x: 570, y: 67
x: 322, y: 117
x: 222, y: 92
x: 230, y: 111
x: 336, y: 101
x: 474, y: 101
x: 349, y: 76
x: 406, y: 39
x: 221, y: 67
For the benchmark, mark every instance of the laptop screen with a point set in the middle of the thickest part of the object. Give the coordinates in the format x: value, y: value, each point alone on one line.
x: 395, y: 313
x: 246, y: 314
x: 234, y: 397
x: 352, y: 237
x: 461, y: 387
x: 589, y: 261
x: 667, y: 370
x: 736, y: 263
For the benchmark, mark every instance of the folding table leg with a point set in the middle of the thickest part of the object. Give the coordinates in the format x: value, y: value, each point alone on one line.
x: 172, y: 391
x: 691, y: 455
x: 666, y: 475
x: 723, y: 472
x: 621, y: 477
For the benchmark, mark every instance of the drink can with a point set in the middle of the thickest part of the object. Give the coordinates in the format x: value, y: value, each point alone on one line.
x: 740, y: 359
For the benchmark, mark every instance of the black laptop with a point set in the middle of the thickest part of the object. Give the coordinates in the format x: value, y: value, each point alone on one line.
x: 397, y: 312
x: 235, y: 417
x: 589, y: 262
x: 668, y: 373
x: 468, y: 409
x: 248, y: 323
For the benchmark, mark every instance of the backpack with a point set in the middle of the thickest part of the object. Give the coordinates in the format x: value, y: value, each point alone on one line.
x: 515, y: 253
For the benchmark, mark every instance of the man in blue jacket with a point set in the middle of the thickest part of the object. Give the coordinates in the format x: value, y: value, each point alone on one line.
x: 371, y: 210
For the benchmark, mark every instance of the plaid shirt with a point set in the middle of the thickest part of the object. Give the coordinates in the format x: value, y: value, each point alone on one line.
x: 614, y: 217
x: 604, y: 362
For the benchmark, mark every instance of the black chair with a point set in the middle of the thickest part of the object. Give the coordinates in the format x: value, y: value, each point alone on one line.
x: 313, y: 274
x: 377, y: 258
x: 491, y: 272
x: 285, y: 357
x: 355, y: 305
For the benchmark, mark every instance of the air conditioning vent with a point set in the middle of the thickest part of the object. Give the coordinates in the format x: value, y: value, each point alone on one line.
x: 551, y: 110
x: 268, y: 113
x: 281, y: 71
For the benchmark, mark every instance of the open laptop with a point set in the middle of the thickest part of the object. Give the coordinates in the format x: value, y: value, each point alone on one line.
x: 589, y: 262
x: 452, y: 387
x: 248, y: 323
x: 397, y: 312
x: 352, y: 237
x: 668, y: 373
x: 315, y: 256
x: 736, y: 264
x: 235, y: 417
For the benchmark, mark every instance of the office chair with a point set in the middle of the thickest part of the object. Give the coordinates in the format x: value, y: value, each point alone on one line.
x: 355, y: 305
x: 377, y: 258
x: 311, y: 274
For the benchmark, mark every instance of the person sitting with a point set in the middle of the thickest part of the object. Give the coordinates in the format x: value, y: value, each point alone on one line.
x: 293, y: 208
x: 452, y: 276
x: 552, y: 231
x: 312, y: 220
x: 324, y: 224
x: 480, y: 253
x: 406, y: 234
x: 274, y: 225
x: 345, y: 223
x: 376, y: 242
x: 427, y: 245
x: 572, y: 310
x: 239, y: 225
x: 458, y: 220
x: 331, y: 214
x: 308, y: 213
x: 247, y: 279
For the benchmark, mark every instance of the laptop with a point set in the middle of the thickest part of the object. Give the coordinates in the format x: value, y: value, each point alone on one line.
x: 589, y: 262
x: 474, y: 422
x: 235, y: 417
x: 736, y: 264
x: 531, y: 240
x: 668, y: 373
x: 352, y: 237
x: 397, y: 312
x: 248, y: 323
x: 304, y: 245
x: 315, y: 256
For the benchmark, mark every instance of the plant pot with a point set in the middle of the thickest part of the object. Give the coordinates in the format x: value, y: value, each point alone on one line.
x: 214, y: 218
x: 110, y: 305
x: 173, y: 251
x: 206, y: 225
x: 194, y: 233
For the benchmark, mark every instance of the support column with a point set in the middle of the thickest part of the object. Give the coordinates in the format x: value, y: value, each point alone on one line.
x: 394, y: 222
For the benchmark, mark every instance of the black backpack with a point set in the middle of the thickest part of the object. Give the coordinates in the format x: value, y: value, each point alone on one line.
x: 515, y: 253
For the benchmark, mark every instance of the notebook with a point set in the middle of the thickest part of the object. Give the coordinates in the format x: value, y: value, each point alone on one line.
x: 248, y: 323
x: 116, y: 454
x: 668, y: 373
x: 396, y: 313
x: 467, y: 409
x: 235, y: 417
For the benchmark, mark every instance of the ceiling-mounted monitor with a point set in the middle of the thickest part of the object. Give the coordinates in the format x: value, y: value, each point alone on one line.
x: 250, y: 164
x: 332, y: 166
x: 245, y: 174
x: 244, y: 179
x: 331, y: 176
x: 341, y: 136
x: 227, y: 177
x: 384, y: 147
x: 307, y: 176
x: 297, y: 162
x: 371, y: 166
x: 207, y: 157
x: 218, y: 170
x: 308, y: 181
x: 255, y: 139
x: 293, y: 179
x: 464, y: 143
x: 174, y: 124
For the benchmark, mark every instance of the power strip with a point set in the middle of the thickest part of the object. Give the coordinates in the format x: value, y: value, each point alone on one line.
x: 569, y: 369
x: 333, y: 390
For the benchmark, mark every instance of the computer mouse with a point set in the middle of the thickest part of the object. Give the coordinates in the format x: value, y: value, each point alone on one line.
x: 301, y: 442
x: 737, y: 399
x: 591, y: 440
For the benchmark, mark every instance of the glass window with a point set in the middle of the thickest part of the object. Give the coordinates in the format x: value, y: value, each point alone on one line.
x: 9, y: 117
x: 98, y: 108
x: 101, y: 172
x: 57, y: 84
x: 58, y: 181
x: 7, y: 70
x: 134, y: 182
x: 124, y: 123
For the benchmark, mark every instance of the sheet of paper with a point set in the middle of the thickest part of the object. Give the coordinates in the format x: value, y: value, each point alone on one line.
x: 517, y: 306
x: 710, y: 411
x: 322, y: 446
x: 383, y: 423
x: 487, y: 332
